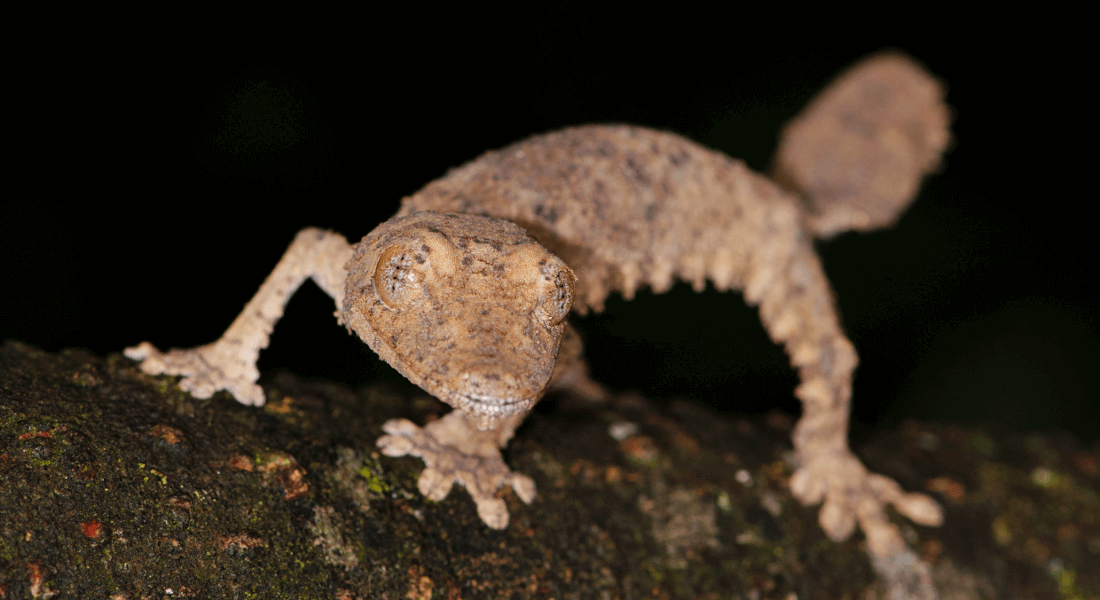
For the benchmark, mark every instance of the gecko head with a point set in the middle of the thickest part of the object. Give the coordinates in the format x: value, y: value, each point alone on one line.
x: 469, y: 308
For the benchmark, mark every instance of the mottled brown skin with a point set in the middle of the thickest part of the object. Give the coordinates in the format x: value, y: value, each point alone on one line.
x: 858, y: 152
x: 469, y: 308
x: 456, y: 295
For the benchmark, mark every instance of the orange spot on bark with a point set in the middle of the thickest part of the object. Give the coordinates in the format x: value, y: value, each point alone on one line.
x: 92, y: 529
x: 240, y: 462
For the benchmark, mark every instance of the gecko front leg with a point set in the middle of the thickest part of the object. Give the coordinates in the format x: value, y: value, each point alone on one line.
x: 230, y: 362
x: 455, y: 451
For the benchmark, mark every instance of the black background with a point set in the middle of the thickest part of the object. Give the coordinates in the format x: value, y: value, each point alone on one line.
x: 156, y: 180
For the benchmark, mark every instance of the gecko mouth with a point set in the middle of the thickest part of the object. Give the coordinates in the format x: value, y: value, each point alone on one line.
x: 492, y: 406
x: 494, y: 392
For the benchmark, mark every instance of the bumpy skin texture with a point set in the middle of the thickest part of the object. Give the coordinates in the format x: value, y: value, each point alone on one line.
x: 456, y: 293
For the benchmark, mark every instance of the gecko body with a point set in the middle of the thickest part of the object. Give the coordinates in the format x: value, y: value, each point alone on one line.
x: 466, y: 290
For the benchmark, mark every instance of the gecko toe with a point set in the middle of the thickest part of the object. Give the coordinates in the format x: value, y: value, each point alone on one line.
x: 493, y: 512
x: 400, y: 427
x: 807, y: 488
x: 140, y: 352
x: 524, y: 487
x: 198, y: 386
x: 921, y: 509
x: 837, y: 518
x: 394, y: 445
x: 435, y: 484
x: 248, y: 393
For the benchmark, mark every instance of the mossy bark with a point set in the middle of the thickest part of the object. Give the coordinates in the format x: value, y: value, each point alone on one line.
x: 114, y: 484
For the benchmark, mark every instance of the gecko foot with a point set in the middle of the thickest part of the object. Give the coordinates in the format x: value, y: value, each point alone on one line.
x: 205, y: 369
x: 853, y: 495
x: 446, y: 464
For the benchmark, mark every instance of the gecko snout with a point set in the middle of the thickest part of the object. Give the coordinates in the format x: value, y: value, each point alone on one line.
x: 490, y: 382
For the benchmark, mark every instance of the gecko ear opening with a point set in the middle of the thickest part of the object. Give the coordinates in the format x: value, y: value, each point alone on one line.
x: 397, y: 275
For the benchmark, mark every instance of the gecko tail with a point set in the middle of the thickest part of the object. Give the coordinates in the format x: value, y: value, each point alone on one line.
x: 858, y: 152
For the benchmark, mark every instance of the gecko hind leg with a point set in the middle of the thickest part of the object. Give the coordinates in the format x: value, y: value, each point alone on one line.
x: 830, y: 474
x: 571, y: 370
x: 455, y: 451
x: 797, y: 309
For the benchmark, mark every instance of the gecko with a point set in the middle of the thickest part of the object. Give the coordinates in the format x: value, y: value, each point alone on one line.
x: 467, y: 290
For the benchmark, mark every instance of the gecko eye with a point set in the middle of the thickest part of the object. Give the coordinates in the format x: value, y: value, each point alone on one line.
x: 396, y: 276
x: 557, y: 295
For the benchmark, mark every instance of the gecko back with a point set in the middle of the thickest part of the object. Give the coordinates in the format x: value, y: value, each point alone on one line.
x: 627, y: 206
x: 624, y: 207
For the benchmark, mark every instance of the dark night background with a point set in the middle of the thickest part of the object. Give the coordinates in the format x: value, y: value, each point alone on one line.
x: 154, y: 183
